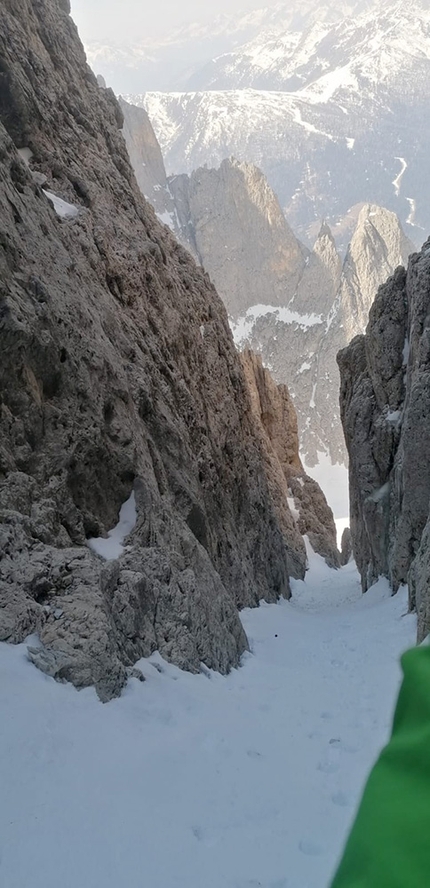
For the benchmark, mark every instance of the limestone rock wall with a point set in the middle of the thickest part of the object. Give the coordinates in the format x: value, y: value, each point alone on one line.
x: 117, y: 372
x: 385, y: 406
x: 146, y: 160
x: 274, y: 410
x: 242, y: 238
x: 331, y: 306
x: 377, y: 248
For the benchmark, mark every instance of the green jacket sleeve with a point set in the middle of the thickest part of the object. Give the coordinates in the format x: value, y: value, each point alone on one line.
x: 389, y: 846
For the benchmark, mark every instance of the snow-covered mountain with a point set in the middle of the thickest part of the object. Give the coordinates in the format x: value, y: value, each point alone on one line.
x: 172, y: 62
x: 335, y: 115
x: 325, y: 55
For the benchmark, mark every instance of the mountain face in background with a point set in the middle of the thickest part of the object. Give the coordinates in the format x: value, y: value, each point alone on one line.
x: 172, y: 62
x: 335, y: 115
x: 294, y: 306
x: 300, y: 341
x: 238, y: 231
x: 385, y: 409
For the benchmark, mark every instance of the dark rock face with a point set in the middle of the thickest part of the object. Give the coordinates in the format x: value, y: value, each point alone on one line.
x: 346, y: 547
x: 311, y: 515
x: 147, y: 162
x: 385, y: 406
x: 117, y: 372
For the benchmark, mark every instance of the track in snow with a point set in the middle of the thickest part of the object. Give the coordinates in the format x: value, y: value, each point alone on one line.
x: 189, y: 781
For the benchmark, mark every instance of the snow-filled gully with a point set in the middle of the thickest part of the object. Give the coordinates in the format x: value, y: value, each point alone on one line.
x: 187, y: 781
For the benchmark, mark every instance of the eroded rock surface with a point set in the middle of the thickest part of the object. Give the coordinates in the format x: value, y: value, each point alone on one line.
x: 117, y: 372
x: 385, y: 405
x: 147, y: 162
x: 296, y: 307
x: 274, y: 409
x: 241, y: 235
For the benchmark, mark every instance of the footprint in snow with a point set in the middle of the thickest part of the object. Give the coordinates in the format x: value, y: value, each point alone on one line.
x: 315, y: 735
x: 311, y: 849
x: 329, y: 763
x: 345, y: 747
x: 341, y: 799
x: 328, y: 767
x: 206, y: 837
x: 254, y: 883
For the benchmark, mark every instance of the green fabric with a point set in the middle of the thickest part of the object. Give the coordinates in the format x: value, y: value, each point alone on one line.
x: 389, y: 846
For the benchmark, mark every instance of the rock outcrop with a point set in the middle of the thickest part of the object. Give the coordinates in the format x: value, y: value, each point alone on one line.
x: 274, y: 411
x: 300, y: 342
x: 385, y: 406
x: 377, y: 248
x: 147, y: 162
x: 240, y: 234
x: 346, y: 547
x: 118, y: 373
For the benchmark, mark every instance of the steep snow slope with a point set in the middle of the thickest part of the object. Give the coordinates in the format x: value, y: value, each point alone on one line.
x: 228, y: 782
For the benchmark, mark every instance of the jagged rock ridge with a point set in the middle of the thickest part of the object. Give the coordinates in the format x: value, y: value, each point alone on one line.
x: 117, y: 372
x: 293, y: 306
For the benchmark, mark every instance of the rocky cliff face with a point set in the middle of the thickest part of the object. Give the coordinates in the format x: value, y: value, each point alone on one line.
x: 147, y: 162
x: 386, y: 417
x: 118, y: 373
x: 377, y: 248
x: 300, y: 342
x: 275, y: 413
x: 293, y: 306
x: 241, y: 235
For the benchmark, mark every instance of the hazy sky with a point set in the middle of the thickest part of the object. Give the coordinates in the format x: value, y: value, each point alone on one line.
x: 137, y: 19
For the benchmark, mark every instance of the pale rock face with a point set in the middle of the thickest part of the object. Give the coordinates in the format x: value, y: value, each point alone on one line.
x: 377, y: 248
x: 331, y: 307
x: 118, y: 372
x: 321, y: 276
x: 386, y: 417
x: 147, y: 161
x: 241, y: 236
